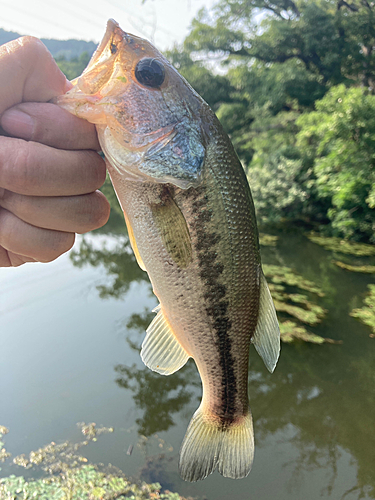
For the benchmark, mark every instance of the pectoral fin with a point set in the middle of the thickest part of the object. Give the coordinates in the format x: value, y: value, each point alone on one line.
x: 173, y: 231
x: 161, y: 351
x: 266, y: 338
x: 134, y: 244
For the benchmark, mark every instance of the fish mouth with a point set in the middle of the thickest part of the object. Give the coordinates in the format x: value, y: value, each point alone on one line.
x: 110, y: 45
x: 112, y: 34
x: 113, y: 59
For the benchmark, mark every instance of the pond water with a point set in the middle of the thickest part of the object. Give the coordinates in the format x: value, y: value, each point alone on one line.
x: 70, y: 337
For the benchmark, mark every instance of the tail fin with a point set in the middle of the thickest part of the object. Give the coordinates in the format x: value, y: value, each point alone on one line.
x: 208, y: 445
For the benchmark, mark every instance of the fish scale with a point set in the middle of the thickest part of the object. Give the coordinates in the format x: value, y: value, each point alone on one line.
x: 192, y: 226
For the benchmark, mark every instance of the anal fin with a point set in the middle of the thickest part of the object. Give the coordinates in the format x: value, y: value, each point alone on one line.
x: 161, y: 351
x: 266, y: 338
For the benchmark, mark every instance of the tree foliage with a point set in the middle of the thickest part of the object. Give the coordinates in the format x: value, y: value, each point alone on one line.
x: 284, y: 66
x: 73, y: 67
x: 339, y: 137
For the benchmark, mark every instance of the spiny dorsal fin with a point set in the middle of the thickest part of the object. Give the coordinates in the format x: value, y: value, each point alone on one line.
x: 134, y: 244
x: 266, y: 338
x: 173, y: 231
x: 161, y: 351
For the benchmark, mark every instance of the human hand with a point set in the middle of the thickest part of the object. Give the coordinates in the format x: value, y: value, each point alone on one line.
x: 49, y: 167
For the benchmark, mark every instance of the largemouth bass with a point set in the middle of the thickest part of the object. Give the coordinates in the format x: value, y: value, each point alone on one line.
x: 192, y: 226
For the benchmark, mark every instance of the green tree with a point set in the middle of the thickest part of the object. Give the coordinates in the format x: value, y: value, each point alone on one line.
x: 73, y: 67
x: 215, y: 89
x: 281, y: 58
x: 332, y: 39
x: 339, y: 138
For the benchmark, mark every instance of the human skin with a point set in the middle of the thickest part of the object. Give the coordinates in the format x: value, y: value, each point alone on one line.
x: 49, y: 166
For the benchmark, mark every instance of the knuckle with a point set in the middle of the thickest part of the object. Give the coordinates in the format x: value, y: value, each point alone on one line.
x: 7, y: 199
x: 32, y: 46
x: 17, y: 171
x: 8, y: 233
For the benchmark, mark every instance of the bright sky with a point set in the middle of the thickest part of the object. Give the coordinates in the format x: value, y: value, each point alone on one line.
x: 161, y: 21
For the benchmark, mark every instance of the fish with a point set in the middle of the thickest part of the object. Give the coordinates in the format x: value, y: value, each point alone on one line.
x: 192, y: 226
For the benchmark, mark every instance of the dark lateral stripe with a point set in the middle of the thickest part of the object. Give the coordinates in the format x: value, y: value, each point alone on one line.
x: 216, y: 304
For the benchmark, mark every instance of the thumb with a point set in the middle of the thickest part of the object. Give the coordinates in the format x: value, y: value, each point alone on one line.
x: 28, y: 72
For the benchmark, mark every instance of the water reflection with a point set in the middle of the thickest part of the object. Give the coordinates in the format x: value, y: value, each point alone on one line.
x: 320, y: 398
x: 119, y: 263
x: 327, y: 403
x: 330, y: 406
x: 157, y: 397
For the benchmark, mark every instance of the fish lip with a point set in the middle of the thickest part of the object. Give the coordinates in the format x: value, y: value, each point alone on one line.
x: 113, y: 34
x: 113, y: 28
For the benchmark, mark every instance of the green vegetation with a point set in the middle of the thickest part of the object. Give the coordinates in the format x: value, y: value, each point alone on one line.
x: 290, y: 332
x: 338, y: 139
x: 296, y: 93
x: 267, y: 240
x: 80, y: 483
x: 283, y: 284
x: 342, y: 246
x: 73, y: 67
x: 3, y: 453
x: 68, y: 476
x: 367, y: 313
x: 350, y: 248
x: 298, y: 102
x: 355, y: 269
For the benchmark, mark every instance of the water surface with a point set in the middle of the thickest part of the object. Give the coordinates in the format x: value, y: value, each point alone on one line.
x: 71, y: 332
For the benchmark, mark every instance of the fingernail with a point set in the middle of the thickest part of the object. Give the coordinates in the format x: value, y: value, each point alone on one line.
x: 17, y: 123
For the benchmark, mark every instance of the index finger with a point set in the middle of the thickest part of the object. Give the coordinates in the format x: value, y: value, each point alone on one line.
x: 50, y: 125
x: 28, y: 72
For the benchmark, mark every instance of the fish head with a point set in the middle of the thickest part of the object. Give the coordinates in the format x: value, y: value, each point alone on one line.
x: 147, y: 116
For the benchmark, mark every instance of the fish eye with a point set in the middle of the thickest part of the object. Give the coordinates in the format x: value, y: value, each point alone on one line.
x: 150, y: 72
x: 113, y: 48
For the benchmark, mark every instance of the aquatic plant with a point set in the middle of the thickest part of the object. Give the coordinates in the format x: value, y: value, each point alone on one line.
x: 355, y: 269
x: 3, y: 453
x: 367, y: 313
x: 79, y: 483
x: 290, y: 332
x: 342, y: 246
x: 267, y: 240
x: 69, y: 477
x: 283, y: 283
x: 285, y: 275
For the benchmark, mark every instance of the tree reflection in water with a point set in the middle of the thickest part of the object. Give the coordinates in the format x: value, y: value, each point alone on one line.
x: 321, y: 398
x: 159, y: 397
x: 119, y: 263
